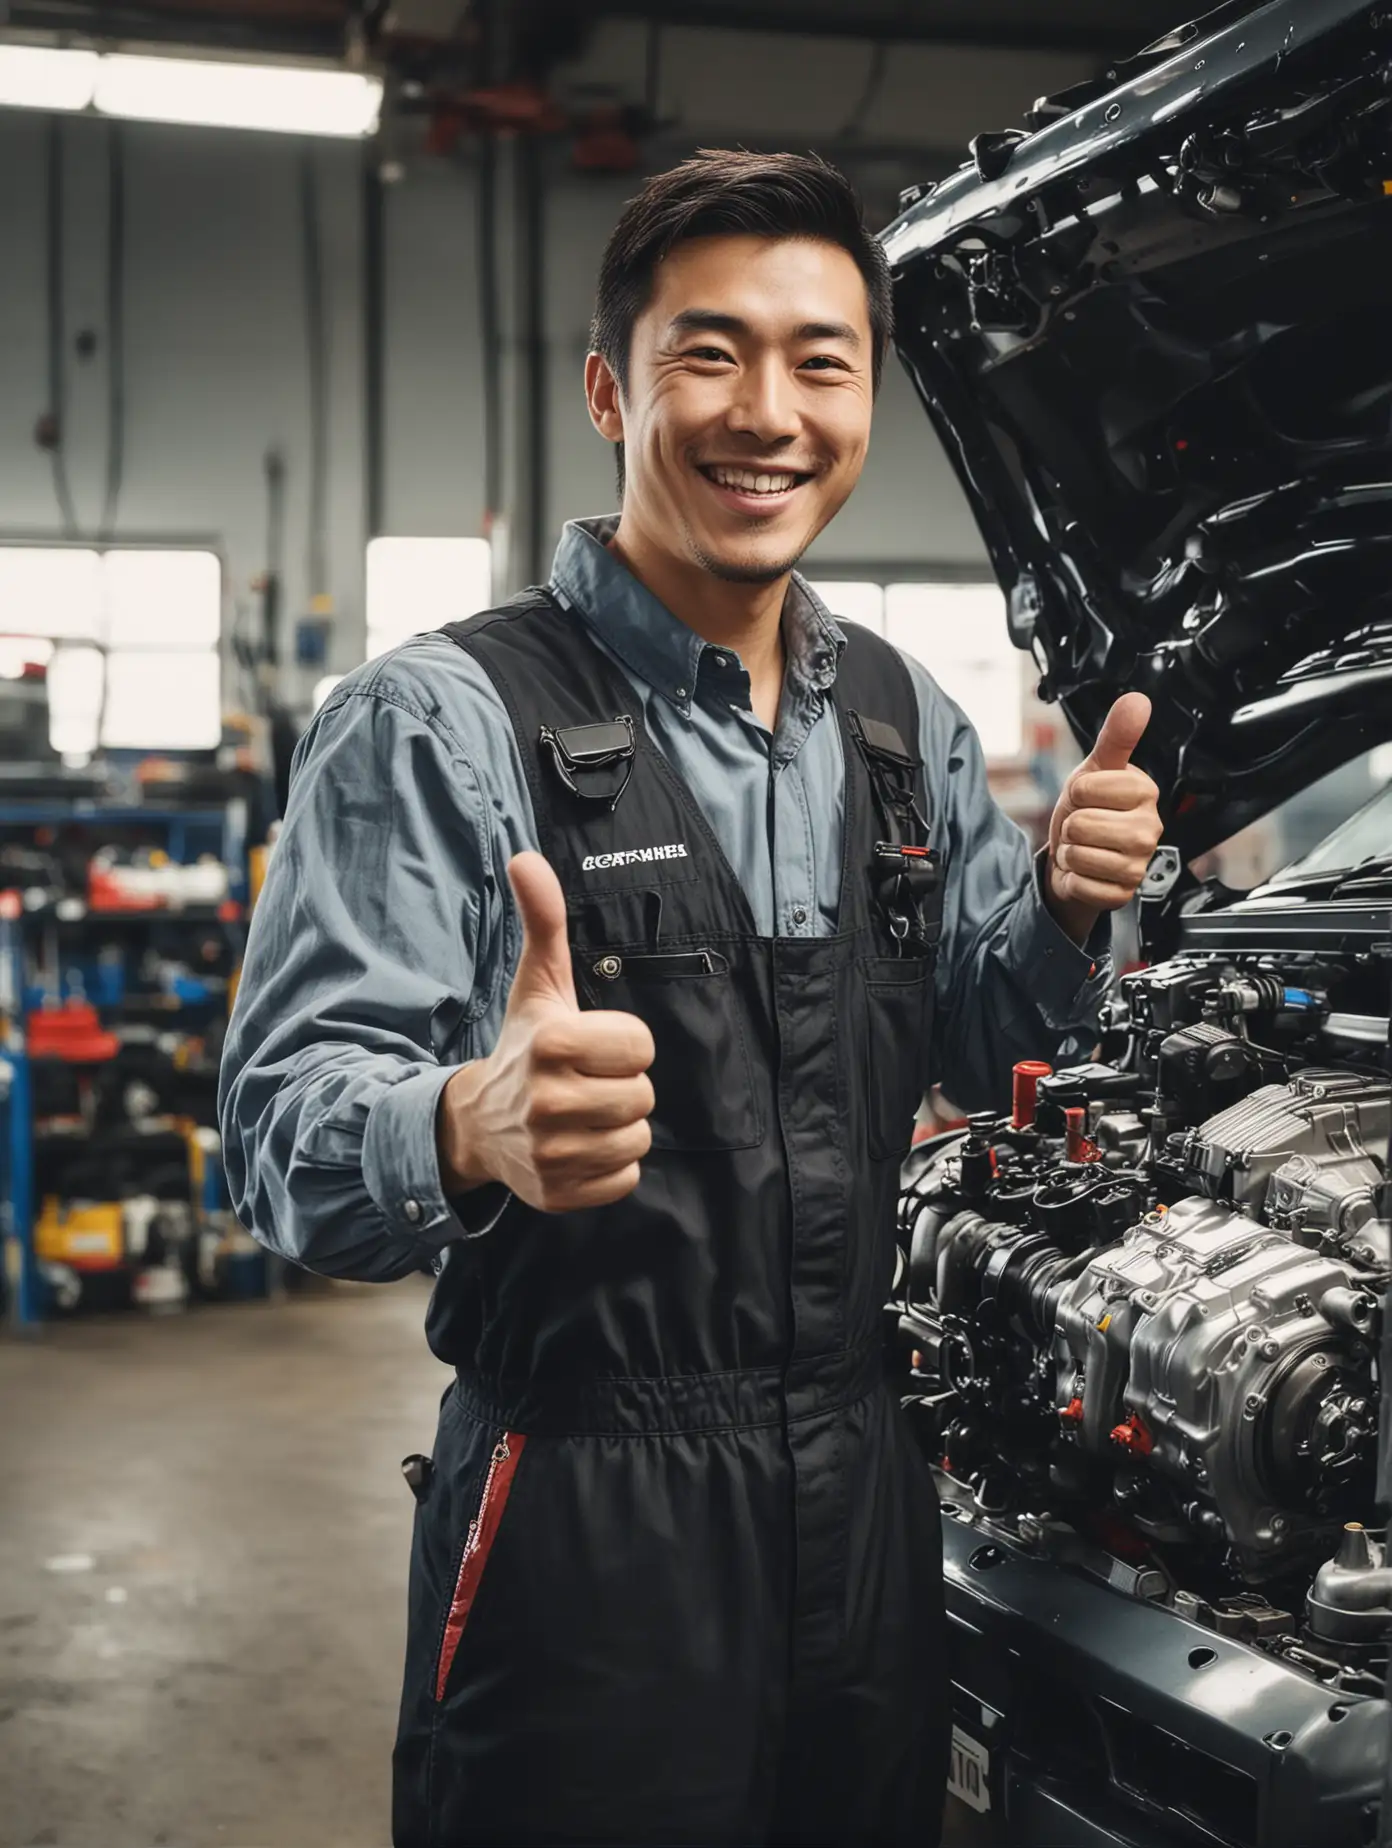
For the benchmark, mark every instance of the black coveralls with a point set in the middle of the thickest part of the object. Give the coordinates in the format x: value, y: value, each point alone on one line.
x: 678, y: 1574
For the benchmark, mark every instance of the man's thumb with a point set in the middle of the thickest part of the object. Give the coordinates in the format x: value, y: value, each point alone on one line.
x: 544, y: 971
x: 1122, y: 730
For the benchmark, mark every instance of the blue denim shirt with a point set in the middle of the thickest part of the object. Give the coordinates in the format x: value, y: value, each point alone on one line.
x: 383, y: 945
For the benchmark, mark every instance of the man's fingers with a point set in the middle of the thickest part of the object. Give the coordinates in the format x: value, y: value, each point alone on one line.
x: 1102, y: 864
x: 600, y: 1103
x: 601, y: 1192
x: 1122, y: 730
x: 1122, y: 832
x: 1111, y: 789
x: 567, y: 1159
x: 600, y: 1044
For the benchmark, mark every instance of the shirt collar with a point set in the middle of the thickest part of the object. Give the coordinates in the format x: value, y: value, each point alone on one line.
x: 653, y: 643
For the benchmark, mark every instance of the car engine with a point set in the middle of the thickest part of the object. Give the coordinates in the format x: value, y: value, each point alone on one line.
x: 1145, y: 1310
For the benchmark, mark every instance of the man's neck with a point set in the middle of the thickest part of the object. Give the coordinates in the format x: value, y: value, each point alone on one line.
x: 745, y: 618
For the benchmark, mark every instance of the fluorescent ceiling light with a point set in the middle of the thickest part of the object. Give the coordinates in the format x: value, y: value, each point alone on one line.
x: 44, y: 77
x: 284, y: 98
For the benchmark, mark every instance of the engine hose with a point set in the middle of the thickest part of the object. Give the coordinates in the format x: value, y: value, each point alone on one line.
x: 989, y: 1259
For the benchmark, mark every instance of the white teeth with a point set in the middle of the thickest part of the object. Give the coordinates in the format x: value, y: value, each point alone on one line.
x: 749, y: 483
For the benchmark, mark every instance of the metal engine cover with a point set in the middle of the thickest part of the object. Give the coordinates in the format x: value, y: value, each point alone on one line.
x: 1175, y: 1342
x: 1320, y: 1120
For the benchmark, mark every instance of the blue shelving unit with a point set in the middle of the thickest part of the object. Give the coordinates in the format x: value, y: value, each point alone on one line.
x: 17, y: 1141
x: 189, y: 832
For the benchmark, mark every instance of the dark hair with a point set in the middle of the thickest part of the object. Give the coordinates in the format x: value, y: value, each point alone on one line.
x: 732, y: 192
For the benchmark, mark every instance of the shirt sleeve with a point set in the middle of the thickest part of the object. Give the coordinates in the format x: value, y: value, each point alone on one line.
x: 1011, y: 983
x: 373, y: 953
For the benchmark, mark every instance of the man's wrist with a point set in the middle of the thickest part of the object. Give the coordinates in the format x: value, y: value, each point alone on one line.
x: 1075, y: 919
x: 461, y: 1166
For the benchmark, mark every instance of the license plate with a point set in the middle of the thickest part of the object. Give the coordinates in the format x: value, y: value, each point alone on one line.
x: 969, y: 1773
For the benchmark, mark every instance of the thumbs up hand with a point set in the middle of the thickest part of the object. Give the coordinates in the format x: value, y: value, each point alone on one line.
x: 558, y: 1111
x: 1106, y: 826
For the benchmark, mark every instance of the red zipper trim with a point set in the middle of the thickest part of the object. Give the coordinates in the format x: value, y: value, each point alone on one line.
x: 483, y: 1531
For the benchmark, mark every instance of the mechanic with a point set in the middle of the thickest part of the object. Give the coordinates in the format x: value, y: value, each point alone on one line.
x: 640, y: 1099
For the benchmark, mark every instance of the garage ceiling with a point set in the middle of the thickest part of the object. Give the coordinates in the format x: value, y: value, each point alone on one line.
x: 1086, y: 26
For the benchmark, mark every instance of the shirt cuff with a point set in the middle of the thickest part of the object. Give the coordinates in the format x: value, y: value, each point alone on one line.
x: 1068, y: 981
x: 401, y: 1167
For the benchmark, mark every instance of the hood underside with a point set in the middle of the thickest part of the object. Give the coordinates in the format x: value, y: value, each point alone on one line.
x: 1155, y: 335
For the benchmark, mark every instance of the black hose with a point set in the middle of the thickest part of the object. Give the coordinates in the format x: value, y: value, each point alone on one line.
x: 652, y: 76
x: 57, y: 330
x: 874, y: 82
x: 115, y: 327
x: 534, y: 310
x: 374, y: 340
x: 490, y: 338
x: 317, y: 356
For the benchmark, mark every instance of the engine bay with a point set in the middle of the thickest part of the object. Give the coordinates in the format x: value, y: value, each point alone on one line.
x: 1143, y: 1309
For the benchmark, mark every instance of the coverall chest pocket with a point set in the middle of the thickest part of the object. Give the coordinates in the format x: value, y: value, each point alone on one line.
x: 896, y: 1023
x: 702, y: 1078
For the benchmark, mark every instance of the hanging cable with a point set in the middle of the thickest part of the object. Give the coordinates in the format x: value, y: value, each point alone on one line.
x: 874, y: 83
x: 316, y: 351
x: 652, y: 73
x: 490, y: 338
x: 374, y: 339
x: 115, y: 327
x: 55, y: 430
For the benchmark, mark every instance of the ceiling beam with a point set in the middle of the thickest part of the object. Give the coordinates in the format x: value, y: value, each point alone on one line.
x: 898, y: 27
x: 312, y: 30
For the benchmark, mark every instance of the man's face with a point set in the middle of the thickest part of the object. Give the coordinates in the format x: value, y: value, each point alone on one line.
x: 747, y: 414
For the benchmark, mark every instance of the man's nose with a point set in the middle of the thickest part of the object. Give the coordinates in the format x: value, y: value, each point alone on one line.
x: 765, y: 403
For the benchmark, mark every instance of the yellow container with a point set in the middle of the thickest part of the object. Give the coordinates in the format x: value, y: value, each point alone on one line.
x: 82, y: 1237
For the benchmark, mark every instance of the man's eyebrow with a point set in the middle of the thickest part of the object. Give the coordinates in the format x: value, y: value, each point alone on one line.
x: 713, y: 321
x: 829, y: 330
x: 707, y: 321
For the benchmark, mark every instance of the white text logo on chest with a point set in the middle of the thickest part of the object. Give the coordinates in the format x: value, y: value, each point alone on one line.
x: 632, y: 856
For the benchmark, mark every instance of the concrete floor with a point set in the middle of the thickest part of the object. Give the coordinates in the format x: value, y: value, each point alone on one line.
x: 204, y: 1539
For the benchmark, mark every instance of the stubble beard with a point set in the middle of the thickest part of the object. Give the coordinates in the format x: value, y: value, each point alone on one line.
x: 730, y: 572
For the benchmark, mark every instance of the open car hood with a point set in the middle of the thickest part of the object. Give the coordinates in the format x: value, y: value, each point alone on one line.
x: 1155, y: 334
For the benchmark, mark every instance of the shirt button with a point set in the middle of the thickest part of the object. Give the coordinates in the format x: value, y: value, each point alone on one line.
x: 412, y: 1211
x: 720, y: 661
x: 681, y: 692
x: 799, y: 916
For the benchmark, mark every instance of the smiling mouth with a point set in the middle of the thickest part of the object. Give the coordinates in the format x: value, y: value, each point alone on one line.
x: 755, y: 484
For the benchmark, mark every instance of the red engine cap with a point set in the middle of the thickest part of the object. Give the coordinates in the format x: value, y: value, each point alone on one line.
x: 1080, y: 1147
x: 1023, y: 1088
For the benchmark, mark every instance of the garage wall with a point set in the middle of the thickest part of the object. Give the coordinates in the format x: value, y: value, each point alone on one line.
x: 216, y: 340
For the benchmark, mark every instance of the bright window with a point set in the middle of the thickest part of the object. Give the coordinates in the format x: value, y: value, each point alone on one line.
x: 419, y: 584
x: 133, y: 637
x: 958, y: 632
x: 51, y: 590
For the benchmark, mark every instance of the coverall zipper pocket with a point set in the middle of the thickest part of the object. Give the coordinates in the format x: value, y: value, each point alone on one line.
x: 702, y: 1078
x: 664, y: 963
x: 478, y: 1543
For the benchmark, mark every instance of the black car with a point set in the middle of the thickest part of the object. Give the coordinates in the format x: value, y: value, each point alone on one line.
x: 1142, y: 1313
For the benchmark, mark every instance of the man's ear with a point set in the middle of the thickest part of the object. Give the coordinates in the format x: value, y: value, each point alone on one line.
x: 602, y: 397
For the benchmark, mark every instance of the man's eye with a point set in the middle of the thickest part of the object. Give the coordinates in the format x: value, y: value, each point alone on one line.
x: 706, y: 353
x: 825, y: 362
